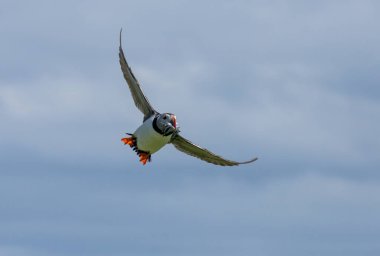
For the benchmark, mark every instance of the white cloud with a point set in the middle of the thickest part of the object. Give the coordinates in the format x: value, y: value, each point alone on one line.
x: 285, y: 109
x: 295, y: 83
x: 52, y: 98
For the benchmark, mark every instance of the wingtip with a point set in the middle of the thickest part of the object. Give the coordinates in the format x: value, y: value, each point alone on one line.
x: 250, y: 161
x: 121, y: 30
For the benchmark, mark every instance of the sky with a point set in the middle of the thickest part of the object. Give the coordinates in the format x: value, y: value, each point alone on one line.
x: 295, y: 83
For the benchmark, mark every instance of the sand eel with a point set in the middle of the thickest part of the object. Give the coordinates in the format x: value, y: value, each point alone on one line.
x: 159, y: 129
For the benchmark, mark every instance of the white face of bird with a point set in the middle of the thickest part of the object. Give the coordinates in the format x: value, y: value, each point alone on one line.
x: 167, y: 123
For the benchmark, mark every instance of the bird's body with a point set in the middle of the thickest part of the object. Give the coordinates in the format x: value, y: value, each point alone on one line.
x: 148, y: 139
x: 159, y: 129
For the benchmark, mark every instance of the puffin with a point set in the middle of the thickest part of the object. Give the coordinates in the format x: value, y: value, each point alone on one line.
x: 159, y: 129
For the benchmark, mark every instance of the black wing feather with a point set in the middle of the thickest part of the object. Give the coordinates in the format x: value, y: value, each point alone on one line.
x: 190, y: 148
x: 138, y: 96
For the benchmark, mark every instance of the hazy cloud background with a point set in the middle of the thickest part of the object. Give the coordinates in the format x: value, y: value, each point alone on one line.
x: 294, y: 82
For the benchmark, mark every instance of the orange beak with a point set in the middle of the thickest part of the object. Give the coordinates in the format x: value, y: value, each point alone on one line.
x: 174, y: 121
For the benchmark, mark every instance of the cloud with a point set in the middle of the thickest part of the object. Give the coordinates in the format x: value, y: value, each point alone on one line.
x: 226, y: 213
x: 292, y: 83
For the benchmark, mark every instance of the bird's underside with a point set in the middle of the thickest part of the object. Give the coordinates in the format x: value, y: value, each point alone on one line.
x: 148, y: 111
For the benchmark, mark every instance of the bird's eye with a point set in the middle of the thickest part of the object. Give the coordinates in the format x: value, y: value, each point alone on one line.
x: 164, y: 117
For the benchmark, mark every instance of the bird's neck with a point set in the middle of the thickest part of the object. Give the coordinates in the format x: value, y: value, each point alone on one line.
x: 155, y: 127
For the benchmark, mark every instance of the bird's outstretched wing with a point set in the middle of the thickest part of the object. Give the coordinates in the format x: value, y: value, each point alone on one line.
x: 138, y: 96
x: 189, y: 148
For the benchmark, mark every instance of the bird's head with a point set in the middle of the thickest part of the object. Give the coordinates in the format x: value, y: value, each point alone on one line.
x: 167, y: 123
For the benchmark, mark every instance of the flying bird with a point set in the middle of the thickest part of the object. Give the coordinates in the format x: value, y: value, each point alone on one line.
x: 158, y: 129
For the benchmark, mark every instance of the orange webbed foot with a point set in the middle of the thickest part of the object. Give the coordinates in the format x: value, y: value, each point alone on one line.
x: 129, y: 140
x: 144, y: 157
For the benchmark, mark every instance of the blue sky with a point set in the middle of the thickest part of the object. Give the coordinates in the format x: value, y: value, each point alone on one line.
x: 295, y: 83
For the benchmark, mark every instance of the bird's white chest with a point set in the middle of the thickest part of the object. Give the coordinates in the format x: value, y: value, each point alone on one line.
x: 148, y: 139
